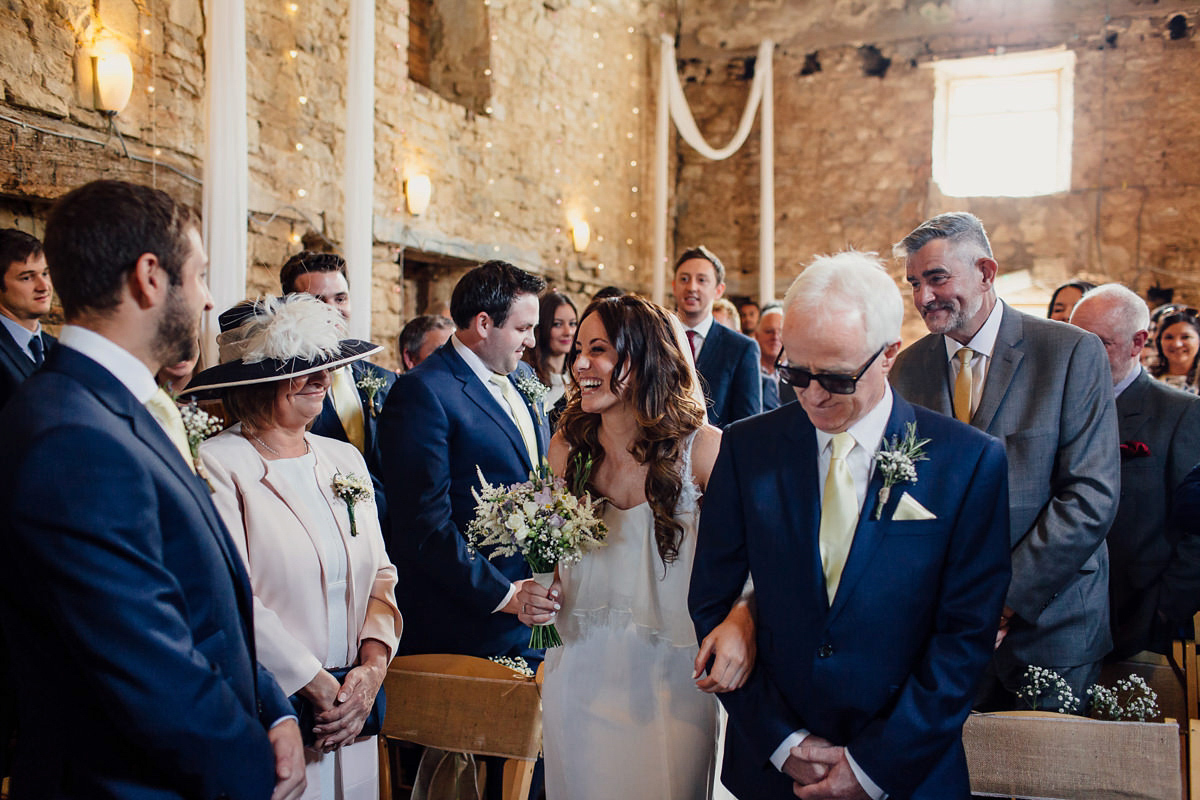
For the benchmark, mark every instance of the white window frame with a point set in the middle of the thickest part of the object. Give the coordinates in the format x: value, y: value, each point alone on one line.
x: 1058, y: 60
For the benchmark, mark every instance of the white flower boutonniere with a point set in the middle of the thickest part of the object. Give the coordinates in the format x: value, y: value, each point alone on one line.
x: 351, y: 489
x: 198, y: 425
x: 372, y: 384
x: 534, y: 390
x: 897, y: 462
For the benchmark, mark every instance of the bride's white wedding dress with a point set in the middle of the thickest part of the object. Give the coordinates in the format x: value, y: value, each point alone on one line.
x: 622, y: 717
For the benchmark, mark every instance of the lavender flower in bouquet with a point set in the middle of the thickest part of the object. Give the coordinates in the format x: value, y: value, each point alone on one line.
x: 542, y: 520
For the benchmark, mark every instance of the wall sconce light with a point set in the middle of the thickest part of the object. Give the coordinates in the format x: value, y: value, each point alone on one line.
x: 417, y: 191
x: 105, y: 76
x: 581, y: 234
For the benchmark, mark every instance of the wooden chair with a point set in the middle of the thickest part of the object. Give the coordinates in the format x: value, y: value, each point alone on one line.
x: 1048, y: 755
x: 467, y: 705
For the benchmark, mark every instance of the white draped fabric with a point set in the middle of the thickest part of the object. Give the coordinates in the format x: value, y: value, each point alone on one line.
x: 226, y: 201
x: 359, y: 178
x: 671, y: 97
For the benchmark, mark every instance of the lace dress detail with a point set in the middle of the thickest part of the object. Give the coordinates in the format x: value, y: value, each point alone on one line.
x: 621, y: 713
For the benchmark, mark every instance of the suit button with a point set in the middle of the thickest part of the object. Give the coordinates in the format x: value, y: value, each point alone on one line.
x: 825, y: 651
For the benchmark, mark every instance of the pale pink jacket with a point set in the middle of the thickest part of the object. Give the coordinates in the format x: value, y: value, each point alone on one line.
x: 272, y: 528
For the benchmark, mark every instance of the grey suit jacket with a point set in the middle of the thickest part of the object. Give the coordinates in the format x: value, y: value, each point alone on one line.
x: 1143, y: 540
x: 1048, y: 397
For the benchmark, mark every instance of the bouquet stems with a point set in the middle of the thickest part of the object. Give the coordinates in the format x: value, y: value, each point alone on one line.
x: 543, y: 636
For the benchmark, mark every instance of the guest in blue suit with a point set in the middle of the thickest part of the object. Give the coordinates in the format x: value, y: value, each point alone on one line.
x: 25, y: 293
x: 462, y: 412
x: 358, y: 391
x: 123, y: 599
x: 877, y: 611
x: 726, y: 360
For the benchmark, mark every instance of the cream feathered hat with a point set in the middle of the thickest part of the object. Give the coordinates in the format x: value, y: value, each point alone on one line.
x: 279, y: 337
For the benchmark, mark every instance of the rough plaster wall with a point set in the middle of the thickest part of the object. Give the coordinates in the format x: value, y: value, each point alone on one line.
x: 853, y: 152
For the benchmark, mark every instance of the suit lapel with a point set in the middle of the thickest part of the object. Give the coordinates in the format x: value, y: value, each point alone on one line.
x: 1006, y: 357
x: 710, y: 348
x: 481, y: 396
x: 21, y: 363
x: 284, y: 490
x: 1131, y: 409
x: 798, y: 478
x: 869, y: 531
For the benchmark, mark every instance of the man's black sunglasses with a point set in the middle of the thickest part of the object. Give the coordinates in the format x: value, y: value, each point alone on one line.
x: 831, y: 382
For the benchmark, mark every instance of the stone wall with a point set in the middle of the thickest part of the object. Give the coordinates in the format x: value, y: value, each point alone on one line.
x: 853, y: 149
x: 567, y: 131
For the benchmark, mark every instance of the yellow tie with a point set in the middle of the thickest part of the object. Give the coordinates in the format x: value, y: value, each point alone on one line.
x: 348, y: 406
x: 163, y: 409
x: 520, y: 415
x: 839, y: 513
x: 962, y: 386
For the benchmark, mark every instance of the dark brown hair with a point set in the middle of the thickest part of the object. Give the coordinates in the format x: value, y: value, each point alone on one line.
x: 548, y: 305
x: 307, y: 261
x: 654, y: 374
x: 253, y: 405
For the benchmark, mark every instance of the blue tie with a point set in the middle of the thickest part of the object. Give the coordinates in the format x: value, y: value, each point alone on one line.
x: 35, y: 347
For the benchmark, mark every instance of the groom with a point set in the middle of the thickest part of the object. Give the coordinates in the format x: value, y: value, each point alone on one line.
x: 877, y: 611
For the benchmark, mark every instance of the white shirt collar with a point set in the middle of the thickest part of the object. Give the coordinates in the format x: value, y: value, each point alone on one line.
x: 868, y: 430
x: 703, y: 328
x: 124, y: 366
x: 1127, y: 380
x: 20, y: 334
x: 984, y: 340
x: 481, y: 370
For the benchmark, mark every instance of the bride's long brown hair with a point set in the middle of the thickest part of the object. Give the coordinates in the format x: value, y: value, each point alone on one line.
x: 654, y: 374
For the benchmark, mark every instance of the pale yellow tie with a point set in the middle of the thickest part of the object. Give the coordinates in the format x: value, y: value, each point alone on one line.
x: 839, y: 513
x: 962, y: 386
x: 348, y: 406
x: 163, y: 409
x: 520, y: 415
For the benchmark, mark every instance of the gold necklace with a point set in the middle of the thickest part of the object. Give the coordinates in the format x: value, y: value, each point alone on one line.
x: 272, y: 450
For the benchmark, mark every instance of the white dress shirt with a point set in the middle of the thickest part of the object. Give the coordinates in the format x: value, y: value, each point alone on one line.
x: 701, y: 332
x: 21, y: 335
x: 867, y: 433
x: 983, y: 343
x: 127, y: 368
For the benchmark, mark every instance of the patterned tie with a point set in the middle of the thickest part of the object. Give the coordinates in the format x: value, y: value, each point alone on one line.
x: 839, y: 513
x: 520, y: 415
x: 163, y: 409
x: 692, y: 343
x: 37, y: 349
x: 348, y: 406
x: 962, y: 386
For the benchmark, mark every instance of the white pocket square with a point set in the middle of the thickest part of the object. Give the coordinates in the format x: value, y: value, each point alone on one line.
x: 909, y: 509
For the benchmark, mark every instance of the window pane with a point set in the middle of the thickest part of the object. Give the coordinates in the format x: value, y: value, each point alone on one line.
x: 1013, y: 154
x: 998, y: 95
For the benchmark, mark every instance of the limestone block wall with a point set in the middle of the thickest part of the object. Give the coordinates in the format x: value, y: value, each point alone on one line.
x: 853, y: 149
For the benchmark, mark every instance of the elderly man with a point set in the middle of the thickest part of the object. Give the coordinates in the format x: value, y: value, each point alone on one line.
x: 123, y: 593
x: 878, y: 588
x: 769, y: 336
x: 1151, y: 583
x: 1042, y: 388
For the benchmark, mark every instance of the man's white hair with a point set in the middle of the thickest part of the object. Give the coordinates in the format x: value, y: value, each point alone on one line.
x: 849, y: 282
x: 1127, y: 312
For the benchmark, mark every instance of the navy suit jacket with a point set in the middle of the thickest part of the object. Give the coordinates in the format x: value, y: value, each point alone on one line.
x: 124, y: 603
x: 728, y: 363
x: 329, y: 424
x: 439, y: 427
x: 15, y: 364
x: 891, y: 668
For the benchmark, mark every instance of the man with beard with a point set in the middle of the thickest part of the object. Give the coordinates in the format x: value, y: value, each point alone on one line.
x: 1045, y: 390
x: 124, y: 603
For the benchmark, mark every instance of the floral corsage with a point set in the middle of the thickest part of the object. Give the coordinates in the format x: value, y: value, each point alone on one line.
x: 198, y: 425
x: 372, y: 384
x: 533, y: 389
x: 897, y: 463
x: 351, y: 489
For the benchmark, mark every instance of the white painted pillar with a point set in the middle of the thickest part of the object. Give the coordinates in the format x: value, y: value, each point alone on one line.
x: 766, y: 173
x: 359, y: 172
x: 666, y: 69
x: 226, y: 201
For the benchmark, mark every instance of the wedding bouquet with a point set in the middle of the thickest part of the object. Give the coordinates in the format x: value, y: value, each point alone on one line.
x: 543, y: 521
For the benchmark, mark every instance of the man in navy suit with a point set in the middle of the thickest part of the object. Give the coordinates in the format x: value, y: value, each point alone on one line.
x: 725, y: 359
x: 877, y: 610
x: 25, y: 293
x: 459, y: 413
x: 357, y: 392
x: 124, y: 603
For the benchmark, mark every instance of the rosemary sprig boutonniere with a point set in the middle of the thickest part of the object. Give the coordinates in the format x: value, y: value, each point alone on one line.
x: 897, y: 462
x: 372, y: 384
x: 351, y: 489
x: 198, y: 425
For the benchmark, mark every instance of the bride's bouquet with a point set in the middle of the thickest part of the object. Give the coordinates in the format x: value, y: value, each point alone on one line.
x: 542, y: 520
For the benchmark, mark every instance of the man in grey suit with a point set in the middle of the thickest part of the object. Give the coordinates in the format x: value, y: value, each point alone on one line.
x: 1042, y: 388
x: 1149, y: 586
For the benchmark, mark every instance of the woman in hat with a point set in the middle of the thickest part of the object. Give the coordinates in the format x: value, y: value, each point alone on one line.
x: 300, y: 510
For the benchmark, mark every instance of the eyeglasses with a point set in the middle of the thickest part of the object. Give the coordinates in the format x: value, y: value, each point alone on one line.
x: 831, y: 382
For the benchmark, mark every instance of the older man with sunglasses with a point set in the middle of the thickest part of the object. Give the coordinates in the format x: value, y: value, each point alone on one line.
x: 878, y: 578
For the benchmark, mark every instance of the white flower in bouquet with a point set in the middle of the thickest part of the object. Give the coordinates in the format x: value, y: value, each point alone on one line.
x: 541, y: 520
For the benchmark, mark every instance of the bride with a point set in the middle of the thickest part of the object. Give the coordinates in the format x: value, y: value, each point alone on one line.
x: 622, y: 715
